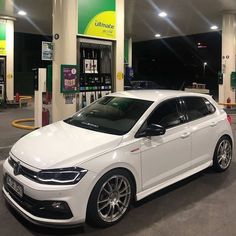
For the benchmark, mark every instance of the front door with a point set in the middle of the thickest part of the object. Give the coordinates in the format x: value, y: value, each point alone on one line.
x: 169, y: 155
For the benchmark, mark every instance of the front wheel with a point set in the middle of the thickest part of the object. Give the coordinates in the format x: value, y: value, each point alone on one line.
x: 110, y: 198
x: 223, y: 154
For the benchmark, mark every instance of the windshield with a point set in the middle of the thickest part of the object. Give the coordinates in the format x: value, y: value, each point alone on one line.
x: 113, y: 115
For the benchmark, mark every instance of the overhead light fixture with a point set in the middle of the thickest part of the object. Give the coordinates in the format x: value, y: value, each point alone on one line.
x: 157, y: 35
x: 22, y: 13
x: 214, y: 27
x: 162, y: 14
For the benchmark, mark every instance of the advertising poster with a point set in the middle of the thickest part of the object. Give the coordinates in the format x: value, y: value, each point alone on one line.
x: 47, y: 51
x: 97, y: 18
x: 3, y: 38
x: 69, y: 79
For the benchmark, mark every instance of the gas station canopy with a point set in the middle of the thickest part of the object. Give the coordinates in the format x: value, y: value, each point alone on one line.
x: 183, y: 17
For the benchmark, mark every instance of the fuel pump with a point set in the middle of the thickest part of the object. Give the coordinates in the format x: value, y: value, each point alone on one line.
x: 41, y: 114
x: 95, y: 66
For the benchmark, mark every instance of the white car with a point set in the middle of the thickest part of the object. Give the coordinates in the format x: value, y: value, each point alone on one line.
x: 120, y: 149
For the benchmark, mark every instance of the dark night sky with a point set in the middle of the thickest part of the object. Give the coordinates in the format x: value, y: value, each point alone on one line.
x: 172, y: 61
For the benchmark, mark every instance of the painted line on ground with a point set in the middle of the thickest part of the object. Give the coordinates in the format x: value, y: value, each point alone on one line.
x: 1, y: 148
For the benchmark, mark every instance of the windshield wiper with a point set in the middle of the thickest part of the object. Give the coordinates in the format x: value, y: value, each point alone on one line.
x: 68, y: 120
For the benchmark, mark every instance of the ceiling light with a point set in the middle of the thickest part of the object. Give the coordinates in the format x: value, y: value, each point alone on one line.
x: 22, y: 13
x: 157, y: 35
x: 214, y: 27
x: 162, y: 14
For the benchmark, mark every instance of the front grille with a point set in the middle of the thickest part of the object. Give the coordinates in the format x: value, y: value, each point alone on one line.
x: 38, y: 208
x: 23, y: 170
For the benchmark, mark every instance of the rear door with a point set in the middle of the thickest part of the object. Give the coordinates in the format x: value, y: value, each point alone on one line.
x: 203, y: 125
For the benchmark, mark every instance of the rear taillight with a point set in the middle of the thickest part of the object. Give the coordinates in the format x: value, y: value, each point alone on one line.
x: 230, y: 119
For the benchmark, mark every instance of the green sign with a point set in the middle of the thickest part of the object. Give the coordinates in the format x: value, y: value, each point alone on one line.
x: 126, y: 53
x: 233, y: 79
x: 3, y: 38
x: 49, y: 78
x: 97, y: 18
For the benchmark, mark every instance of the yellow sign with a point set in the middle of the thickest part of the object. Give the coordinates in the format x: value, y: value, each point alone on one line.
x: 120, y: 76
x: 97, y: 18
x: 103, y: 25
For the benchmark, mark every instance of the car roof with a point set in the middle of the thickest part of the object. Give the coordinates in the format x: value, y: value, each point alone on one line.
x: 155, y: 94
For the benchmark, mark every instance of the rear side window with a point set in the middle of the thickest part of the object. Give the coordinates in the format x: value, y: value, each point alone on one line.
x: 196, y: 107
x: 210, y: 107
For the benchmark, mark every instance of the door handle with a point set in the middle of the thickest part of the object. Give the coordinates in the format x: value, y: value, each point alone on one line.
x: 185, y: 134
x: 214, y: 123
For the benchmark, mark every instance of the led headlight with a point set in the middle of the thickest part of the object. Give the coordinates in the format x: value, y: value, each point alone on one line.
x: 61, y: 176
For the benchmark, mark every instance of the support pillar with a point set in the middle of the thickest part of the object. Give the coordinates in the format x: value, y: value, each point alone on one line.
x: 65, y: 26
x: 228, y: 56
x: 119, y: 48
x: 10, y: 59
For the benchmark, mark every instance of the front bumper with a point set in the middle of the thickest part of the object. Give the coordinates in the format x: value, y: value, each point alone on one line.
x: 31, y: 219
x: 32, y: 205
x: 43, y: 209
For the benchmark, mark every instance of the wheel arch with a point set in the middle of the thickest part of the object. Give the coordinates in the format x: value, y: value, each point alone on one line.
x: 120, y: 166
x: 228, y: 136
x: 89, y: 218
x: 216, y: 165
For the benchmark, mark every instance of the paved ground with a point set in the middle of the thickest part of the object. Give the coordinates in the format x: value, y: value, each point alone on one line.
x: 204, y: 204
x: 8, y: 134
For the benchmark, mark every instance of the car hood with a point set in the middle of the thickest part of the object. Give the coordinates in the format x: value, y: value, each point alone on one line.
x: 62, y: 145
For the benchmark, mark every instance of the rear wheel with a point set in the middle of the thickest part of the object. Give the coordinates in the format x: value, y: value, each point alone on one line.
x: 223, y: 154
x: 110, y: 198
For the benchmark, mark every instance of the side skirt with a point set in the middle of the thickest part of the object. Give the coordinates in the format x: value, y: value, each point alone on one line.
x: 154, y: 189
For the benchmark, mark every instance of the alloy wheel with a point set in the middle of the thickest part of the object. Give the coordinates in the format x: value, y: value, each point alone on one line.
x: 114, y: 198
x: 224, y: 154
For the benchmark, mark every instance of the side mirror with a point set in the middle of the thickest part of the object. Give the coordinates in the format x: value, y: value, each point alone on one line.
x: 151, y: 130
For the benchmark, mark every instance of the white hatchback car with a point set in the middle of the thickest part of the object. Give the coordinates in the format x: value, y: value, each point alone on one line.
x: 121, y: 148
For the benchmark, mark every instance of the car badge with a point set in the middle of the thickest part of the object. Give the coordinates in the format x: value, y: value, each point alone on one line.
x: 17, y: 168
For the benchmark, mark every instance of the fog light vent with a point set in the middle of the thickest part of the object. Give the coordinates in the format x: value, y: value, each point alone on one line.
x: 57, y: 205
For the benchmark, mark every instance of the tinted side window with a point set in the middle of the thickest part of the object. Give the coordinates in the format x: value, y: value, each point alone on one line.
x: 210, y: 107
x: 167, y: 114
x: 195, y: 107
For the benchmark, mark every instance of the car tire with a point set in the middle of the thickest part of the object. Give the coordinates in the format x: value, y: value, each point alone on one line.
x: 110, y: 199
x: 223, y: 154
